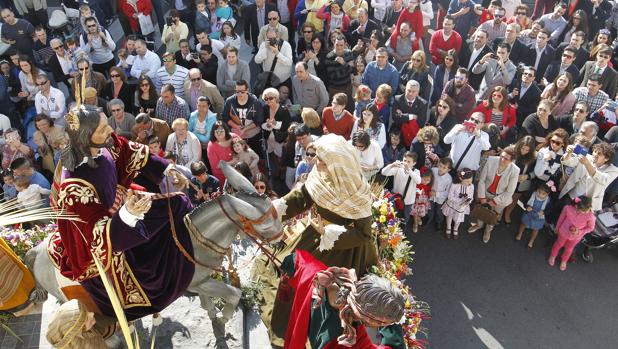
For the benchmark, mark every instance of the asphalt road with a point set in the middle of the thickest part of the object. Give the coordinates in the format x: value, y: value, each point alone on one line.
x: 504, y: 295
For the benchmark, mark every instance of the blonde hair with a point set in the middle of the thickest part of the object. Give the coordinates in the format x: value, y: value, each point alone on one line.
x: 385, y: 90
x: 179, y: 122
x: 363, y: 92
x: 428, y: 132
x: 311, y: 118
x: 66, y: 330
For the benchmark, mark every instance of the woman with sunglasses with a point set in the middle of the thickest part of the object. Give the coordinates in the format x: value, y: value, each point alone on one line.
x: 560, y: 93
x: 146, y: 96
x: 416, y: 69
x: 442, y: 117
x: 520, y: 17
x: 444, y: 73
x: 540, y: 123
x: 604, y: 36
x: 525, y: 159
x: 306, y: 165
x: 118, y: 87
x: 275, y: 126
x: 260, y: 183
x: 500, y: 112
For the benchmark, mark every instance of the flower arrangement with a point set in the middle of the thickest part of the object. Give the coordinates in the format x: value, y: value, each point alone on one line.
x: 22, y: 240
x: 395, y: 255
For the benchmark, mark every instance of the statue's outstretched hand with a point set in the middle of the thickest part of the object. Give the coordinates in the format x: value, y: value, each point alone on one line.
x: 138, y: 204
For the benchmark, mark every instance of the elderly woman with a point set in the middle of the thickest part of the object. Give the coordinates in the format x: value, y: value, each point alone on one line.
x: 496, y: 186
x: 118, y: 88
x: 369, y: 152
x: 183, y: 143
x: 275, y: 126
x: 15, y: 148
x: 121, y: 121
x: 202, y: 120
x: 426, y: 146
x: 593, y: 173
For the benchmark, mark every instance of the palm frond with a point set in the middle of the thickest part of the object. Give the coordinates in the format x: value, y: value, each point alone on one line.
x: 14, y: 213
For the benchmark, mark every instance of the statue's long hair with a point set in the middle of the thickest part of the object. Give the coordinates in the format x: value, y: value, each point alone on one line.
x: 378, y: 297
x: 80, y: 139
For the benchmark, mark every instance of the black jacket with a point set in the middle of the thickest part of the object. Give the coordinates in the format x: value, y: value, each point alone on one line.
x: 464, y: 61
x: 518, y: 53
x: 338, y: 74
x: 353, y: 35
x: 581, y: 57
x: 401, y: 110
x: 56, y: 69
x: 527, y: 103
x: 126, y: 95
x: 546, y: 58
x: 553, y: 70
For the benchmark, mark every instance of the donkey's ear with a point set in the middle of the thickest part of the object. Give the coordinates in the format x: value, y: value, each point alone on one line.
x: 235, y: 179
x: 243, y: 207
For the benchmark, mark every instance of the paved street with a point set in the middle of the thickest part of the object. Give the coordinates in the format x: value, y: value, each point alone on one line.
x: 504, y: 295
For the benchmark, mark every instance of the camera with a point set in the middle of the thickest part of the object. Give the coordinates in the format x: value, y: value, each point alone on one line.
x: 469, y: 125
x: 494, y: 56
x: 273, y: 42
x: 168, y: 21
x: 195, y: 55
x: 580, y: 150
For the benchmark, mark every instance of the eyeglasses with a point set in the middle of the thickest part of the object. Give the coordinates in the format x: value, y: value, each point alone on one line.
x: 260, y: 187
x: 269, y: 98
x: 168, y: 59
x: 114, y: 75
x: 91, y: 25
x: 42, y: 83
x: 528, y: 74
x: 220, y: 130
x: 56, y: 48
x: 416, y: 59
x: 307, y: 31
x: 553, y: 141
x: 196, y: 79
x: 144, y: 85
x: 579, y: 110
x: 311, y: 155
x: 116, y: 110
x: 273, y: 19
x: 475, y: 121
x: 443, y: 106
x: 240, y: 92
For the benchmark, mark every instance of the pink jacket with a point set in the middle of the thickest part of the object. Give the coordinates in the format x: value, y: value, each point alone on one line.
x: 583, y: 223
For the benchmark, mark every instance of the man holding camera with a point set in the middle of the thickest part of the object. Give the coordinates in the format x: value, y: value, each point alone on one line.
x: 273, y: 22
x: 498, y: 69
x: 468, y: 142
x: 273, y: 48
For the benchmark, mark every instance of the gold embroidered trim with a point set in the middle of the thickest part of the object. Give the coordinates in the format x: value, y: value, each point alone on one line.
x: 139, y: 157
x: 77, y: 191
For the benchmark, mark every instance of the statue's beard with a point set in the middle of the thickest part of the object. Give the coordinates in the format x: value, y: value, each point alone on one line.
x: 107, y: 144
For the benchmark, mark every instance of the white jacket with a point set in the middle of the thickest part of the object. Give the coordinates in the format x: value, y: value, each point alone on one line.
x: 400, y: 180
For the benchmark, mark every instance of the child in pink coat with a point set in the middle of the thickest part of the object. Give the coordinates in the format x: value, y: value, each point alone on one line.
x: 574, y: 222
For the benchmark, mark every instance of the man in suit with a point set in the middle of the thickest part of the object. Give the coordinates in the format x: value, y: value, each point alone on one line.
x: 361, y: 27
x: 577, y: 41
x: 256, y: 16
x: 525, y: 94
x: 497, y: 70
x: 146, y: 126
x: 410, y: 109
x: 541, y: 54
x: 564, y: 66
x: 573, y: 122
x: 61, y: 71
x: 609, y: 77
x: 471, y: 54
x: 519, y: 51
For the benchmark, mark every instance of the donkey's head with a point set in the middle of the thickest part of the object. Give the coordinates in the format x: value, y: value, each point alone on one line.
x: 257, y: 208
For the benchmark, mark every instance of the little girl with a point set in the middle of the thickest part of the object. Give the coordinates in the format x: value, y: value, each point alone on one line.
x: 362, y: 98
x: 421, y: 204
x: 224, y: 13
x: 243, y: 153
x: 574, y: 222
x: 393, y: 150
x: 534, y: 217
x: 357, y: 76
x: 457, y: 205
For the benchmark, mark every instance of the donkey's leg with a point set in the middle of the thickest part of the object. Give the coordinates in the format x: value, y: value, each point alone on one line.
x: 231, y: 295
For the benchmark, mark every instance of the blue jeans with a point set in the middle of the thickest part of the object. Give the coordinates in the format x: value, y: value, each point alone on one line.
x: 436, y: 214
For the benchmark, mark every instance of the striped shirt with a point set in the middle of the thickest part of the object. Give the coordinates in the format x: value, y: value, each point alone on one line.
x: 177, y: 79
x: 594, y: 102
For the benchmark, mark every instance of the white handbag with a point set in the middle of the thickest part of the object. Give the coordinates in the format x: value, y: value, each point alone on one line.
x: 145, y: 23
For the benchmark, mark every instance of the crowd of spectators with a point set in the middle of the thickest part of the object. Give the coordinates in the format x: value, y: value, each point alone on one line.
x: 513, y: 96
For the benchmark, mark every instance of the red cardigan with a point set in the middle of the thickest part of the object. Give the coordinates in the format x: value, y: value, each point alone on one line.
x: 508, y: 116
x: 322, y: 14
x: 143, y: 6
x: 437, y: 42
x: 414, y: 19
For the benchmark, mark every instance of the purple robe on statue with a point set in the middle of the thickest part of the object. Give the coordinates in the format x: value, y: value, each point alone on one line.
x: 148, y: 270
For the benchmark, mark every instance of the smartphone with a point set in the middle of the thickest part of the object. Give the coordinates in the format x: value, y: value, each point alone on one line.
x: 494, y: 56
x: 469, y: 125
x: 168, y: 21
x: 580, y: 150
x: 194, y: 55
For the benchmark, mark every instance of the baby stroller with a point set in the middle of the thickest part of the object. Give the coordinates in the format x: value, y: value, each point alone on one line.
x: 64, y: 22
x: 605, y: 234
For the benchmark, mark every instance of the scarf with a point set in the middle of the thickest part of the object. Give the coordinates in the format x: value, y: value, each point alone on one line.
x: 341, y: 189
x: 133, y: 3
x: 336, y: 21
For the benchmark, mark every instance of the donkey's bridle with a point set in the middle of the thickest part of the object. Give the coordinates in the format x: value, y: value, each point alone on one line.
x: 247, y: 225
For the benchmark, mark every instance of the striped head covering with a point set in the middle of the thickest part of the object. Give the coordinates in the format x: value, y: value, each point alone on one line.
x: 342, y: 189
x: 66, y: 330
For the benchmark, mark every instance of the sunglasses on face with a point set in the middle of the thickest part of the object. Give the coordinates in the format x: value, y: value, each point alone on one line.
x: 307, y: 31
x: 273, y: 19
x: 260, y: 187
x: 114, y: 75
x: 83, y: 69
x: 269, y: 98
x: 553, y: 141
x: 527, y: 74
x: 56, y: 48
x: 144, y: 85
x: 92, y: 26
x: 311, y: 155
x: 42, y: 83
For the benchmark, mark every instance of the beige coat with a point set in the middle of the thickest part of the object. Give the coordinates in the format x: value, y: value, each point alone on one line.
x: 506, y: 186
x: 580, y: 182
